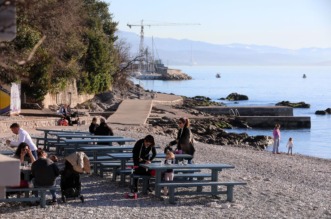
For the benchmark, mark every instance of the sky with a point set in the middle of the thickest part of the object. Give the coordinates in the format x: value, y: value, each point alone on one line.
x: 291, y: 24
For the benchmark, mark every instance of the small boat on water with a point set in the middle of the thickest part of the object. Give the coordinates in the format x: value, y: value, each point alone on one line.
x: 218, y: 75
x: 304, y: 76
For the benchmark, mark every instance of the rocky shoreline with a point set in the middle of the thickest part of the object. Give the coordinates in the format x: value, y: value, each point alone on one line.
x: 278, y: 186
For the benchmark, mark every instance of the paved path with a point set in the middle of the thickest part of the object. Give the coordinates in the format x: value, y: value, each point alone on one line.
x: 136, y: 111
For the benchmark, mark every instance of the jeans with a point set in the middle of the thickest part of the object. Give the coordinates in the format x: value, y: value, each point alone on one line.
x: 276, y: 146
x: 52, y: 191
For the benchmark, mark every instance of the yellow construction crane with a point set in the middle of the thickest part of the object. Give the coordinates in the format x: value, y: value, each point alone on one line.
x: 142, y: 25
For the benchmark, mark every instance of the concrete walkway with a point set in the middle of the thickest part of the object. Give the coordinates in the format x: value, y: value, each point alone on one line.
x: 137, y: 111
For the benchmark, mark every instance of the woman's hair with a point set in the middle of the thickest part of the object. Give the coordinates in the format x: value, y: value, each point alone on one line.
x: 19, y: 148
x: 94, y: 119
x: 290, y: 139
x: 150, y: 139
x: 185, y: 121
x: 40, y: 152
x: 277, y: 125
x: 170, y: 155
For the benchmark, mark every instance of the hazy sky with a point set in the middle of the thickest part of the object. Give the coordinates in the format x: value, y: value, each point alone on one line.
x: 282, y: 23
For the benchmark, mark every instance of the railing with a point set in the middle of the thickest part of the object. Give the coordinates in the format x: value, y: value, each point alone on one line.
x: 234, y: 112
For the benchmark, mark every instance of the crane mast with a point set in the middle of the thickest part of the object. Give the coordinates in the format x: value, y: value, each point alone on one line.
x: 141, y: 44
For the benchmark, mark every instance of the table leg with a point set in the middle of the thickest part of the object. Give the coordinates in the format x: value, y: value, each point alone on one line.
x: 122, y: 175
x: 214, y: 178
x: 95, y: 164
x: 157, y: 181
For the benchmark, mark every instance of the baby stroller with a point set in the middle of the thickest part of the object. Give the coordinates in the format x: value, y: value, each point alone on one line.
x: 75, y: 164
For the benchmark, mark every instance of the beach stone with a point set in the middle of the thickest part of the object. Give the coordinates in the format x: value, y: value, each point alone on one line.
x: 212, y: 205
x: 320, y: 112
x: 225, y: 206
x: 294, y: 105
x: 236, y: 96
x: 238, y: 206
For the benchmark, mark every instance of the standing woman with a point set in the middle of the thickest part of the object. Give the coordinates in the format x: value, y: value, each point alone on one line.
x: 140, y: 155
x: 184, y: 138
x: 276, y: 135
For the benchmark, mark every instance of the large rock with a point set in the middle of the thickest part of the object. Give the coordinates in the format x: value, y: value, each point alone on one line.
x: 236, y: 96
x: 294, y: 105
x: 320, y: 112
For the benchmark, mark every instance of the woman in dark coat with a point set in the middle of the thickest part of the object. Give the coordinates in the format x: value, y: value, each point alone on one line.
x: 94, y: 125
x: 141, y: 154
x: 103, y: 129
x: 184, y: 140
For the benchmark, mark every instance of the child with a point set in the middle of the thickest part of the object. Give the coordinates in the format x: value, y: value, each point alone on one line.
x: 169, y: 174
x: 289, y: 145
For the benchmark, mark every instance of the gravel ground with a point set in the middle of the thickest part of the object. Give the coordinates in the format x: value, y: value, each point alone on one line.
x: 278, y: 186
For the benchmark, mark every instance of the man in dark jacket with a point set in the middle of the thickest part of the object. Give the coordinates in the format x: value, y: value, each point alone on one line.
x: 103, y: 129
x: 94, y: 125
x: 140, y: 154
x: 44, y: 172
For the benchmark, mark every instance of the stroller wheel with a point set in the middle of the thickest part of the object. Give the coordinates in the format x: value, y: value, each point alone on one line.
x: 64, y: 199
x: 82, y: 198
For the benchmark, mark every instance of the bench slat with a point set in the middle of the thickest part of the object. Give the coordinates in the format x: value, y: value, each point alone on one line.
x: 172, y: 185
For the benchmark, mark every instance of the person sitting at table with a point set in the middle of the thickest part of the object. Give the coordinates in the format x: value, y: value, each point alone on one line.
x: 66, y: 112
x: 103, y: 129
x: 24, y: 153
x: 44, y: 172
x: 63, y: 121
x: 169, y: 173
x: 23, y: 136
x: 140, y: 155
x: 94, y: 125
x: 184, y: 140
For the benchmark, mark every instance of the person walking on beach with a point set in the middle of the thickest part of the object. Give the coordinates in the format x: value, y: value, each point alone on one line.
x: 276, y: 135
x: 23, y: 136
x: 289, y: 145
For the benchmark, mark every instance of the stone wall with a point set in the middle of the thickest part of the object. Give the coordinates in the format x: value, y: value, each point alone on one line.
x: 67, y: 96
x: 287, y: 122
x: 35, y: 122
x: 248, y: 111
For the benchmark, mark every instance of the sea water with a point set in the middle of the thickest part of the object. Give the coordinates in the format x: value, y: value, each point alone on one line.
x: 265, y: 86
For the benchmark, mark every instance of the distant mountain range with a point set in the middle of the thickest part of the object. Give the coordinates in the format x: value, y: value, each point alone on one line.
x: 188, y: 52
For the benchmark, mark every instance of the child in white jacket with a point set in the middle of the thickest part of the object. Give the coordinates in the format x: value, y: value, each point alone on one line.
x: 289, y: 145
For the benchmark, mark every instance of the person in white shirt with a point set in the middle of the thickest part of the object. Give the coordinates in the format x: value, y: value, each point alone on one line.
x: 23, y: 136
x: 289, y: 145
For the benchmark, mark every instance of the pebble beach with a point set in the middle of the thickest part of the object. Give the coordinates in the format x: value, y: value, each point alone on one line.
x: 278, y: 186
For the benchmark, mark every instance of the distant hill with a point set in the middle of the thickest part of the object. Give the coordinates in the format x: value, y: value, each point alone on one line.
x: 188, y: 52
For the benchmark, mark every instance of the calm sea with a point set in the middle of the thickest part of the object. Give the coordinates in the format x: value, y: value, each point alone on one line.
x: 265, y: 86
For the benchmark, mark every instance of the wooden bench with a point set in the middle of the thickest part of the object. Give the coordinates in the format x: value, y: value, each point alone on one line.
x: 41, y: 195
x: 173, y: 185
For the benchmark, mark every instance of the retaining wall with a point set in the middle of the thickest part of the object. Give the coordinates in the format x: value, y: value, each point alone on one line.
x: 287, y: 122
x: 248, y: 111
